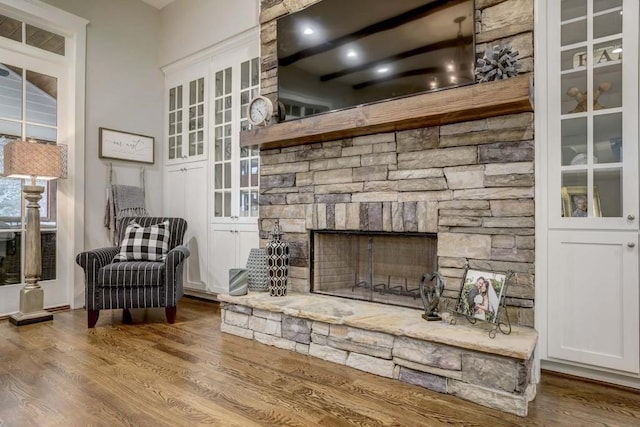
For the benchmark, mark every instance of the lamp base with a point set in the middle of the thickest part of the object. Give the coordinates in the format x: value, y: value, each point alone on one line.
x: 21, y: 319
x: 31, y: 308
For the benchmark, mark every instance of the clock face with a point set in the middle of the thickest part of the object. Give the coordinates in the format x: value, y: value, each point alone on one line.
x: 260, y: 110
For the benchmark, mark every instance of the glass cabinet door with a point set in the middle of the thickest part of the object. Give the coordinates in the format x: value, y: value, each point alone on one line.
x: 185, y: 114
x: 236, y: 169
x: 597, y: 110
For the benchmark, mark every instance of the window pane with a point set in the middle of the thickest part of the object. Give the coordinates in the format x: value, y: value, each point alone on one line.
x: 10, y: 92
x: 45, y: 40
x: 255, y: 72
x: 227, y: 175
x: 201, y: 89
x: 42, y: 95
x: 172, y: 99
x: 218, y: 204
x: 10, y: 28
x: 254, y: 204
x: 607, y: 193
x: 219, y: 83
x: 254, y: 172
x: 48, y: 247
x: 227, y: 81
x: 10, y: 195
x: 227, y: 203
x: 41, y: 133
x: 244, y: 173
x: 244, y: 75
x: 192, y: 92
x: 244, y: 203
x: 10, y: 267
x: 574, y: 194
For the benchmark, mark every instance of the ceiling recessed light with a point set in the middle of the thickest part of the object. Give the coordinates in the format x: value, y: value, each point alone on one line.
x: 383, y: 69
x: 450, y: 66
x: 308, y: 31
x: 433, y: 84
x: 352, y: 54
x: 453, y: 79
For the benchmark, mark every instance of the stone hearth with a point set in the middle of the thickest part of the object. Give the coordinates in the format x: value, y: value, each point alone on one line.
x: 393, y: 342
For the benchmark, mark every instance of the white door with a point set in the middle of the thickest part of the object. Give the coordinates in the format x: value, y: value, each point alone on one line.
x: 31, y: 108
x: 235, y: 170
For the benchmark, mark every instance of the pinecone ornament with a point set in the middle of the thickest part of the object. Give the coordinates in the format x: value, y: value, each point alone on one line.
x: 498, y: 63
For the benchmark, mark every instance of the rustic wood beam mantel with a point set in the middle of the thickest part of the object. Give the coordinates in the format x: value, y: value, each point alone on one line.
x: 461, y: 104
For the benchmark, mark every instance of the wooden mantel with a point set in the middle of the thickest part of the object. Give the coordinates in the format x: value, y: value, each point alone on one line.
x: 460, y: 104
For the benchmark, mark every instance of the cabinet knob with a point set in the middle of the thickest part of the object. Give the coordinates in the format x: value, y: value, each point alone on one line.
x: 631, y: 217
x: 631, y: 244
x: 230, y: 231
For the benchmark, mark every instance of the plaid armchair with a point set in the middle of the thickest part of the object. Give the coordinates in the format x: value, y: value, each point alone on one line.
x: 135, y: 284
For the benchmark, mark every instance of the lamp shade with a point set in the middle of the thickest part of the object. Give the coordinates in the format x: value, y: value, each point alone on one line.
x: 26, y: 159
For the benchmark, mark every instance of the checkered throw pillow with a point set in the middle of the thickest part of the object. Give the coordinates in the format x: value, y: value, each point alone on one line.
x: 144, y: 243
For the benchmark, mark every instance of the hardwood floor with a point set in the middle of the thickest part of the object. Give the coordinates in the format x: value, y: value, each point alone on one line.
x: 150, y: 373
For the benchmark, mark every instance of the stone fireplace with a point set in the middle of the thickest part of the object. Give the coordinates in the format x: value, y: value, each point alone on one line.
x: 353, y: 189
x: 463, y: 175
x: 379, y: 267
x: 469, y: 184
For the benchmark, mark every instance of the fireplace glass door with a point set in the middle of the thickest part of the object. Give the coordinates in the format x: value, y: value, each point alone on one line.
x: 380, y: 267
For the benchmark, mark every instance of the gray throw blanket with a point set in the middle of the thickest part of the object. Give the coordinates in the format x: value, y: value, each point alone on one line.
x: 122, y: 201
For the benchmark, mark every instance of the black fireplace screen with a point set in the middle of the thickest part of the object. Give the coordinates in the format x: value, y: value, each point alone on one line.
x: 380, y: 267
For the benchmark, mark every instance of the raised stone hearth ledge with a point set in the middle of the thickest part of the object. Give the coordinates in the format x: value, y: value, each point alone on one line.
x: 393, y: 342
x: 473, y: 102
x: 397, y: 321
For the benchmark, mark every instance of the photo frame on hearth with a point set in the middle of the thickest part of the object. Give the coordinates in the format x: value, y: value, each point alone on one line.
x: 481, y: 298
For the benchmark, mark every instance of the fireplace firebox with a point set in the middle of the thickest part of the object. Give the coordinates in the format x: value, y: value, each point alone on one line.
x: 378, y: 267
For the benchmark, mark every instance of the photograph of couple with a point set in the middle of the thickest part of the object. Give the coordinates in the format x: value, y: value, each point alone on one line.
x: 480, y: 295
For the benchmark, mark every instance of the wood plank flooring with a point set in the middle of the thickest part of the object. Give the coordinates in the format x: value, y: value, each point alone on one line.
x: 153, y: 374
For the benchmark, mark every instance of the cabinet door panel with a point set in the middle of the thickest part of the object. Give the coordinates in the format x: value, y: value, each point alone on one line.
x: 593, y: 298
x: 174, y: 191
x: 223, y: 256
x: 195, y: 201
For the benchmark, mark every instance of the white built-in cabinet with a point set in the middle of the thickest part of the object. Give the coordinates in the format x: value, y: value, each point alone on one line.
x: 589, y: 283
x: 235, y: 169
x: 209, y: 180
x: 186, y: 198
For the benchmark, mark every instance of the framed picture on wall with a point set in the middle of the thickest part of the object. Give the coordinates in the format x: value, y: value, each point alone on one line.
x: 575, y: 202
x: 119, y: 145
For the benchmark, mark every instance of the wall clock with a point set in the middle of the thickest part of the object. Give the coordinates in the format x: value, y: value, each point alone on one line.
x: 259, y: 110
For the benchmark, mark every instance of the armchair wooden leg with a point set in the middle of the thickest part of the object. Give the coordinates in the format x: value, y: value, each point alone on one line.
x: 171, y: 314
x: 126, y: 317
x: 92, y: 318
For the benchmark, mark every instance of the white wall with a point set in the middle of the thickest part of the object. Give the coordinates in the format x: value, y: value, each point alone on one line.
x: 124, y: 91
x: 189, y: 26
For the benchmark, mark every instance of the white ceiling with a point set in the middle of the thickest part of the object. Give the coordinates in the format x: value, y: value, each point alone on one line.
x: 158, y: 4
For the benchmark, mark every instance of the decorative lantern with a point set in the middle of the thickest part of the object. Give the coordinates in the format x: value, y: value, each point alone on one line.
x: 278, y: 262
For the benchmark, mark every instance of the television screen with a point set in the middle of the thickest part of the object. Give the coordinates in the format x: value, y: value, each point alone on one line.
x: 337, y: 54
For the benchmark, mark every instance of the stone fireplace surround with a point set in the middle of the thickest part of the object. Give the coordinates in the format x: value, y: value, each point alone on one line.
x: 472, y: 185
x: 468, y: 180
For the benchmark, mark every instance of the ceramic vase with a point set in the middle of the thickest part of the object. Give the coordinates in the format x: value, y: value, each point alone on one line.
x: 278, y: 262
x: 257, y: 268
x: 238, y: 279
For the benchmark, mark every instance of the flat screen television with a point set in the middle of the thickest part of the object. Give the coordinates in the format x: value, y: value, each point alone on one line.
x: 337, y: 54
